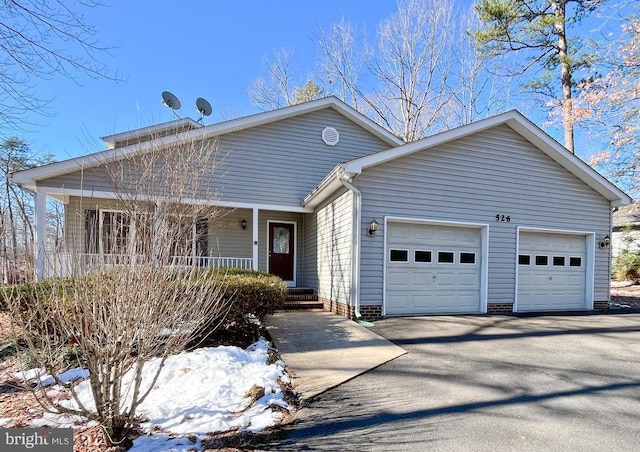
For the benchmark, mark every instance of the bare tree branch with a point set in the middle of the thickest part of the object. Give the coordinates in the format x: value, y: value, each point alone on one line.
x: 33, y: 34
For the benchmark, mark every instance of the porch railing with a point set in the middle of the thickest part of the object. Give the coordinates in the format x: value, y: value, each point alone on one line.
x: 67, y: 264
x: 245, y: 263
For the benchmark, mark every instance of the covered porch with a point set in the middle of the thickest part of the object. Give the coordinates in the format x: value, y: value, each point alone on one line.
x: 100, y: 233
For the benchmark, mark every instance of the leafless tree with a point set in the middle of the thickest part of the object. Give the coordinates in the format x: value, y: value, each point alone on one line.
x: 344, y: 58
x: 16, y: 208
x: 412, y: 68
x: 476, y: 88
x: 276, y: 90
x: 403, y: 84
x: 145, y: 295
x: 33, y: 34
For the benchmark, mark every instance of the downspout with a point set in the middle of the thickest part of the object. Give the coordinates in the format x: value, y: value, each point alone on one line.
x: 345, y: 180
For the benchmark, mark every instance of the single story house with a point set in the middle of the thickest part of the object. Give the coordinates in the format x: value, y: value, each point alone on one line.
x: 626, y: 229
x: 493, y: 216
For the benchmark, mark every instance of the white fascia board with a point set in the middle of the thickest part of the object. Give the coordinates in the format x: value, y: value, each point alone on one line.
x: 356, y: 166
x: 93, y: 194
x: 523, y: 126
x: 111, y: 140
x: 366, y: 123
x: 569, y: 161
x: 326, y: 188
x: 30, y: 177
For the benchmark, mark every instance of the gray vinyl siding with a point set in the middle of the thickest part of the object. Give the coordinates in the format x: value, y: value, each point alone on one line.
x: 473, y: 180
x: 310, y: 263
x: 226, y: 236
x: 329, y: 234
x: 273, y: 164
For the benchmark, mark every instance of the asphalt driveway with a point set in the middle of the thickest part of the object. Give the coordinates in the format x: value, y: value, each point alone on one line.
x: 561, y: 382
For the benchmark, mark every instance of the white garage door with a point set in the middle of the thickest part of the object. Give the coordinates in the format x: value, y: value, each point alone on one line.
x: 432, y: 269
x: 551, y: 271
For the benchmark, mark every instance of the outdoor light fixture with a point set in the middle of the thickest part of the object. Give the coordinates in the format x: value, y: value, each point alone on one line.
x: 606, y: 240
x: 373, y: 227
x: 243, y: 223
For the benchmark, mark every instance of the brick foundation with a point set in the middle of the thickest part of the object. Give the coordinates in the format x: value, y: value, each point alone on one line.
x: 338, y: 308
x: 600, y: 305
x: 370, y: 312
x: 499, y: 308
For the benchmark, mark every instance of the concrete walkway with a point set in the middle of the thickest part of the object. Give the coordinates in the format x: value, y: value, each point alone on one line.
x: 323, y: 350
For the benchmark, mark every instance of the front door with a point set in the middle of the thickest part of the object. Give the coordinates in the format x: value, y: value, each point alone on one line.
x: 281, y: 250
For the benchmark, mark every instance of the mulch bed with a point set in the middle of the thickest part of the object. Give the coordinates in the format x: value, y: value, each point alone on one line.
x: 18, y: 406
x: 625, y: 295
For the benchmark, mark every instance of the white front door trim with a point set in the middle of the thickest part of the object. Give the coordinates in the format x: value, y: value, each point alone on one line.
x: 295, y: 248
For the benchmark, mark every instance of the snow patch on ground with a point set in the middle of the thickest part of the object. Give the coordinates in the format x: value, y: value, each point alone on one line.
x: 44, y: 380
x: 159, y: 442
x: 197, y: 392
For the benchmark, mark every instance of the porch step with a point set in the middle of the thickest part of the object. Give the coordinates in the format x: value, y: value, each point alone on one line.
x: 299, y: 298
x: 303, y: 305
x: 299, y: 291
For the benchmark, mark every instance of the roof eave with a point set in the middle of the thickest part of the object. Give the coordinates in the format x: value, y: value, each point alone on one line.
x: 521, y: 125
x: 111, y: 140
x: 325, y: 188
x: 570, y: 161
x: 32, y: 176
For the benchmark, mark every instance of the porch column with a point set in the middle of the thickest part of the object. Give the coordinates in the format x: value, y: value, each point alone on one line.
x: 40, y: 236
x: 255, y: 238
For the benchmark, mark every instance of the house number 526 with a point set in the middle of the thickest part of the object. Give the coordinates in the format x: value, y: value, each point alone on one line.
x: 503, y: 218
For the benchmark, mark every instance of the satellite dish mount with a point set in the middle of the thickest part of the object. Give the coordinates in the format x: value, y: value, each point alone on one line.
x: 171, y: 101
x: 203, y: 107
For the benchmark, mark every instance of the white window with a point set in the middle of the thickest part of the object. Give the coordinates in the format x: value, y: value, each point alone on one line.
x: 524, y: 259
x: 189, y: 239
x: 446, y: 257
x: 542, y: 260
x: 115, y: 232
x: 399, y: 255
x: 422, y: 256
x: 467, y: 258
x: 558, y: 261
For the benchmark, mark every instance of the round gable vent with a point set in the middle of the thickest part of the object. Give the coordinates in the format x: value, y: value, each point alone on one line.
x: 330, y: 136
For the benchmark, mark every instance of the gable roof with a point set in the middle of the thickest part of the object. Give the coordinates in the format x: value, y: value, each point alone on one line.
x: 30, y: 177
x: 627, y: 216
x: 162, y: 129
x: 515, y: 120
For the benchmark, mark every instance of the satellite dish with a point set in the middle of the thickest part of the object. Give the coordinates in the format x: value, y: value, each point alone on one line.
x: 203, y: 106
x: 170, y: 100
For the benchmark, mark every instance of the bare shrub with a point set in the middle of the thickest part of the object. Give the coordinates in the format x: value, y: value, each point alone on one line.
x: 143, y: 292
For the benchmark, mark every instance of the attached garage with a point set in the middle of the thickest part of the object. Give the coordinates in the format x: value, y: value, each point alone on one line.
x: 553, y: 271
x: 434, y: 268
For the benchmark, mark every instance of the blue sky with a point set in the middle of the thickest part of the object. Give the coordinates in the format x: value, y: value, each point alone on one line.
x: 196, y: 48
x: 210, y: 49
